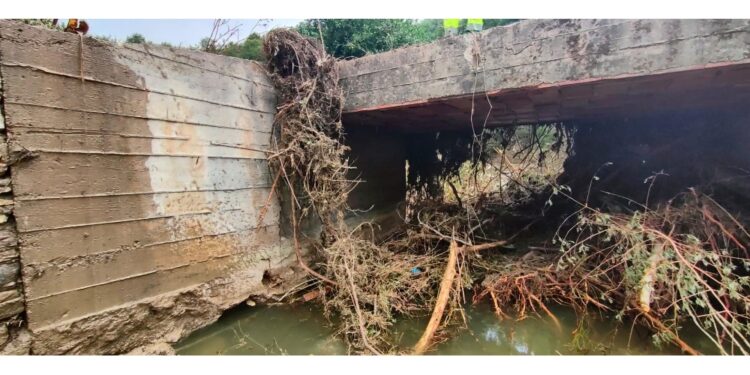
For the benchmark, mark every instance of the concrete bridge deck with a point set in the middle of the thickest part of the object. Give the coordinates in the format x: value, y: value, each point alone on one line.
x: 552, y: 70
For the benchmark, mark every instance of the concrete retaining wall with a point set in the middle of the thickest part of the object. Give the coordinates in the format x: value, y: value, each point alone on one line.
x: 137, y: 207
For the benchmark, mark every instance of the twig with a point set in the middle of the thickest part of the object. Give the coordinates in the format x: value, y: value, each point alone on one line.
x: 320, y: 32
x: 455, y: 194
x: 264, y: 210
x: 484, y: 246
x: 299, y: 253
x: 355, y: 300
x: 546, y: 310
x: 672, y: 336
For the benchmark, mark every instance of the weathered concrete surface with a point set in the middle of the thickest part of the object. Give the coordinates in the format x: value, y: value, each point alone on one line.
x: 551, y: 70
x: 137, y: 215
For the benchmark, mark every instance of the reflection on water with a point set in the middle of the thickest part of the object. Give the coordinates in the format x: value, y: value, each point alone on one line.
x: 283, y: 329
x: 302, y: 330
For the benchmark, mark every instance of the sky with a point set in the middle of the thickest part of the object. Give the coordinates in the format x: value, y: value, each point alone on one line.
x: 185, y: 33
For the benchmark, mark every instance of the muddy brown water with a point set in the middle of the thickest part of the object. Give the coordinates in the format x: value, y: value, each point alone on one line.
x: 303, y: 330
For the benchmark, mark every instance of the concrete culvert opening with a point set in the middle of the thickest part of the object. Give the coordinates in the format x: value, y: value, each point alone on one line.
x: 599, y: 208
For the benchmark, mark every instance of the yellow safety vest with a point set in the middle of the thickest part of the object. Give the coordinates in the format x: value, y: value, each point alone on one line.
x: 475, y: 21
x: 451, y: 23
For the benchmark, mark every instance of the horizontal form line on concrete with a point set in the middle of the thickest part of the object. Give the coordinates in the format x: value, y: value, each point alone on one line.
x: 136, y: 88
x: 83, y: 152
x: 57, y: 310
x: 47, y: 324
x: 113, y: 194
x: 134, y: 276
x: 79, y: 142
x: 47, y: 248
x: 13, y: 102
x: 43, y: 130
x: 202, y: 212
x: 221, y: 144
x: 32, y: 129
x: 229, y: 208
x: 149, y: 53
x: 67, y: 259
x: 68, y: 271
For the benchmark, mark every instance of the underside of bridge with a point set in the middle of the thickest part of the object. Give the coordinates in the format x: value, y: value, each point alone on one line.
x: 717, y: 88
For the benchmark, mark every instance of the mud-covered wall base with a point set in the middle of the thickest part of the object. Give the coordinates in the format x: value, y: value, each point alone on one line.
x: 173, y: 315
x: 682, y: 149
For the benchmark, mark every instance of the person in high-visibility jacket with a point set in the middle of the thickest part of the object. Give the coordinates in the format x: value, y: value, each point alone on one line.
x: 474, y: 24
x: 450, y: 26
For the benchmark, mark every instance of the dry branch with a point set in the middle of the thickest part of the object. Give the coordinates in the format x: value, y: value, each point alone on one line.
x: 446, y: 285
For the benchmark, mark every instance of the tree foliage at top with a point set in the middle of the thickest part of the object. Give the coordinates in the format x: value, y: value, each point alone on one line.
x: 45, y: 22
x: 347, y: 38
x: 357, y: 37
x: 135, y: 38
x: 251, y: 48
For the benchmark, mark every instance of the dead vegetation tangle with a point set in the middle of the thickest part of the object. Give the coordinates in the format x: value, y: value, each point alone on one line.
x: 365, y: 283
x: 683, y: 263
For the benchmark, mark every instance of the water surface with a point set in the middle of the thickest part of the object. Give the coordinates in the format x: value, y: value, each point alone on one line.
x: 302, y: 330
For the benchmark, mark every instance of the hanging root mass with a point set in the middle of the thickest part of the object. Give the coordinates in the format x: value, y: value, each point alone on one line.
x: 366, y: 283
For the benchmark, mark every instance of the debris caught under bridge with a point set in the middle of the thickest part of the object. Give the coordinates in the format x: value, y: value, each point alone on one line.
x: 645, y: 256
